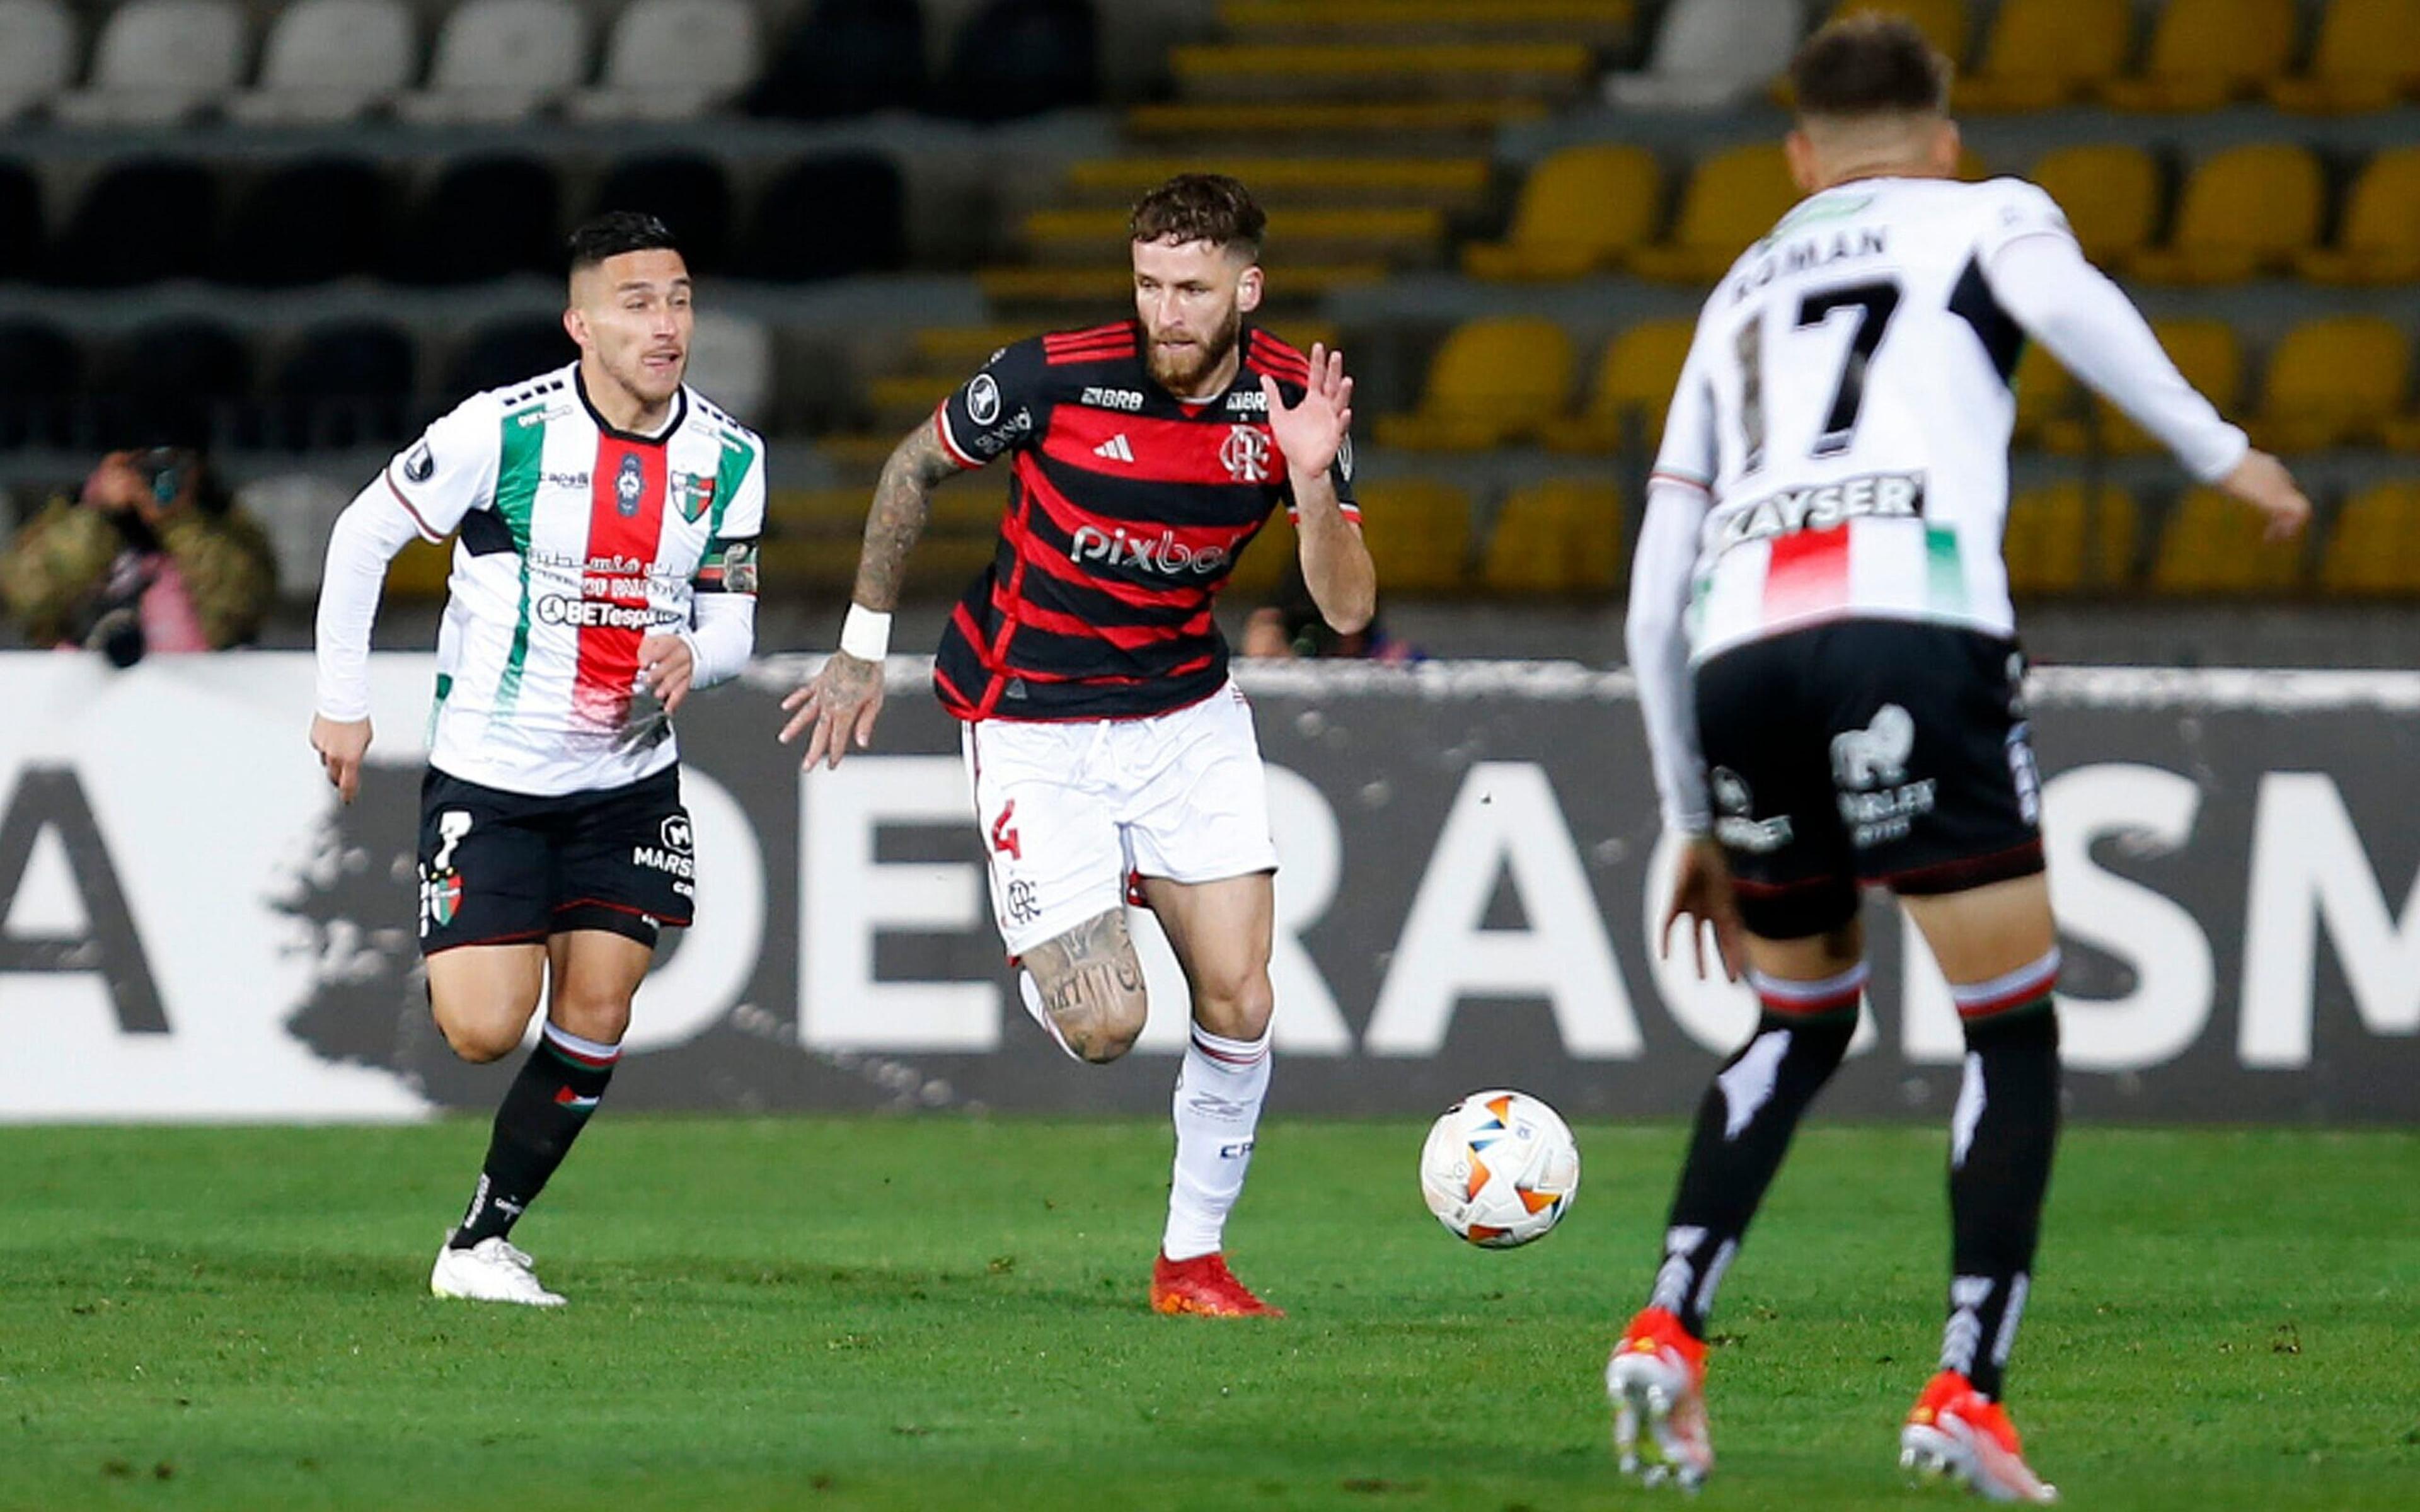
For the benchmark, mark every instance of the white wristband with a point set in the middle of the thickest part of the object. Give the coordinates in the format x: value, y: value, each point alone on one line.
x: 866, y: 634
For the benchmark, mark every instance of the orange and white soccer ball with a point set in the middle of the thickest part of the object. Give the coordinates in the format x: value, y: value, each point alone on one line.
x: 1499, y: 1168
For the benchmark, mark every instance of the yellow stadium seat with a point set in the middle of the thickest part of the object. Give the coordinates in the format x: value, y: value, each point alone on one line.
x: 2212, y: 544
x: 2205, y: 52
x: 1634, y: 378
x: 1494, y: 380
x: 1419, y: 534
x: 2375, y: 547
x: 1560, y: 537
x: 2111, y: 194
x: 2045, y: 392
x: 1214, y: 73
x: 2046, y: 52
x: 1606, y: 23
x: 420, y: 570
x: 813, y: 538
x: 2379, y: 242
x: 2066, y: 538
x: 2209, y: 355
x: 1733, y: 200
x: 1581, y: 210
x: 2247, y: 210
x: 2368, y: 54
x: 1264, y: 563
x: 2332, y: 382
x: 1401, y: 234
x: 1943, y: 23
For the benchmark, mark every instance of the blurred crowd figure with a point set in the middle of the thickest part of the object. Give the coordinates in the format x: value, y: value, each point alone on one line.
x: 1289, y: 627
x: 153, y: 555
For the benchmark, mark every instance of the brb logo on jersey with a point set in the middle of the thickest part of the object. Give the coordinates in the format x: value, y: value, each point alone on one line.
x: 1245, y: 453
x: 1167, y: 554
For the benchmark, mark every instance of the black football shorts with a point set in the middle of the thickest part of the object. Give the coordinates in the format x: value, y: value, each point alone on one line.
x: 500, y: 868
x: 1880, y: 751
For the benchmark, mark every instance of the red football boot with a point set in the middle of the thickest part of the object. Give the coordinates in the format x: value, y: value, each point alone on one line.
x: 1959, y: 1434
x: 1204, y: 1285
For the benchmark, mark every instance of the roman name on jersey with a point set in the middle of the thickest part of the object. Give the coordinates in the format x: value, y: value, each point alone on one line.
x: 1874, y: 496
x: 1165, y: 554
x: 1806, y: 253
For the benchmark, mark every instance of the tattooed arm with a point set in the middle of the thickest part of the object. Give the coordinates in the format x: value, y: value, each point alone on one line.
x: 1092, y: 987
x: 845, y: 697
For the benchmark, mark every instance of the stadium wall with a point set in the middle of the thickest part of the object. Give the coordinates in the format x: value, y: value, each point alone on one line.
x: 191, y: 928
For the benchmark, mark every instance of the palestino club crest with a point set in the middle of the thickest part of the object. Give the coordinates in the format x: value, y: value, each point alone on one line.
x: 695, y: 494
x: 1246, y: 454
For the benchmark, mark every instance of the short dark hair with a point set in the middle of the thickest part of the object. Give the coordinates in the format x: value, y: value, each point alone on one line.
x: 1869, y: 64
x: 616, y: 232
x: 1201, y: 206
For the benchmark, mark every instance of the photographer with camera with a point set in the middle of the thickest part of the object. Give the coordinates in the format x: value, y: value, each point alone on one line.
x: 154, y: 557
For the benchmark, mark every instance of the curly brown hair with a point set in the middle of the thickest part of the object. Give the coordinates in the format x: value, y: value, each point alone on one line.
x: 1201, y: 206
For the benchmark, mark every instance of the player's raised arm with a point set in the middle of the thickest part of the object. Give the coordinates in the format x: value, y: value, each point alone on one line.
x: 425, y: 492
x: 1336, y: 565
x: 2042, y: 278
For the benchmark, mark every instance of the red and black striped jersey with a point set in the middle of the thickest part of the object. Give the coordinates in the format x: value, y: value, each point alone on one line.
x: 1126, y: 510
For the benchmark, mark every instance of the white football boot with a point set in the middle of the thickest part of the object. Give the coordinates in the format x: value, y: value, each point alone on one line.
x: 489, y: 1270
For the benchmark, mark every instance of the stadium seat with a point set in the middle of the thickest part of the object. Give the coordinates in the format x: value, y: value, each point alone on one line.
x: 2246, y: 210
x: 2207, y: 352
x: 38, y: 55
x: 157, y: 62
x: 1492, y: 381
x: 2047, y: 52
x: 1733, y: 200
x: 2378, y: 240
x: 1561, y: 536
x: 2205, y: 52
x: 2333, y: 381
x: 1214, y: 73
x: 329, y: 60
x: 1404, y: 235
x: 513, y: 203
x: 1419, y: 534
x: 1605, y: 23
x: 848, y: 57
x: 1582, y: 210
x: 20, y: 222
x: 1710, y: 55
x: 2111, y: 194
x: 420, y: 571
x: 1323, y: 182
x: 687, y: 190
x: 342, y: 385
x: 2211, y: 544
x: 2375, y: 547
x: 499, y: 61
x: 507, y: 351
x: 2069, y: 539
x: 1634, y: 385
x: 730, y: 363
x: 1943, y: 23
x: 2366, y: 57
x: 795, y: 235
x: 144, y: 220
x: 306, y: 223
x: 173, y: 384
x: 2045, y: 392
x: 674, y: 60
x: 41, y: 374
x: 1021, y: 57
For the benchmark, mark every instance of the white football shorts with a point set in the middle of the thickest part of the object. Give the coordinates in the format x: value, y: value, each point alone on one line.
x: 1071, y: 812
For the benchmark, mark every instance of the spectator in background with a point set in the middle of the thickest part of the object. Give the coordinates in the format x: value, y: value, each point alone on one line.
x: 1290, y: 626
x: 154, y: 557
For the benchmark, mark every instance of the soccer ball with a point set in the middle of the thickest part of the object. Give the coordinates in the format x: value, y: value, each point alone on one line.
x: 1499, y: 1168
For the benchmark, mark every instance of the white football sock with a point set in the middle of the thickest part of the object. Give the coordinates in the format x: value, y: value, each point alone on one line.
x: 1219, y: 1093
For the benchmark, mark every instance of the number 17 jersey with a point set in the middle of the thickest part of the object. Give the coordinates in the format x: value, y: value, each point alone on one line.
x: 1845, y: 408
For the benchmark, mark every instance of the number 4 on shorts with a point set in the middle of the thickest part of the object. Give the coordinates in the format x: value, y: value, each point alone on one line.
x: 1003, y: 837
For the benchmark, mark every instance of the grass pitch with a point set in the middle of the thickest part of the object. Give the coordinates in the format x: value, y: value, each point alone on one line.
x: 887, y: 1313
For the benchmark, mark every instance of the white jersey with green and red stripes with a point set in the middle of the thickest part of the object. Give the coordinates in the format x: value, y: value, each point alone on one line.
x: 1846, y: 406
x: 573, y: 541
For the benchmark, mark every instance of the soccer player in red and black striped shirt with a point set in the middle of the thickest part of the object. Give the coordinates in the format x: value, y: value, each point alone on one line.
x: 1109, y: 751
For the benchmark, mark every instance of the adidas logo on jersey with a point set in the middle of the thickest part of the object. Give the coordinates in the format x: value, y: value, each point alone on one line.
x: 1115, y: 449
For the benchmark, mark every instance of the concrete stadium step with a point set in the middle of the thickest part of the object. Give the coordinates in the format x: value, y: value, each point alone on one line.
x: 1216, y: 72
x: 1432, y: 126
x: 1403, y: 238
x: 1458, y: 184
x: 1605, y: 23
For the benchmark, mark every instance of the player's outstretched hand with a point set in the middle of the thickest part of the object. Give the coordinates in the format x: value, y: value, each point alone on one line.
x: 2262, y: 482
x: 666, y: 669
x: 1701, y: 893
x: 341, y: 744
x: 840, y: 705
x: 1312, y: 432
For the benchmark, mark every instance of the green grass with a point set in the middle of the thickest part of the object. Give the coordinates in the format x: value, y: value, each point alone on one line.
x: 887, y: 1313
